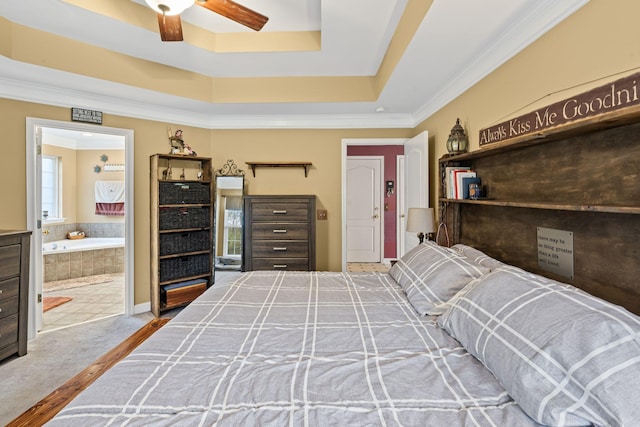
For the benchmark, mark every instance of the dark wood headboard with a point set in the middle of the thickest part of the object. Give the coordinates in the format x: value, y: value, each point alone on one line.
x: 583, y: 178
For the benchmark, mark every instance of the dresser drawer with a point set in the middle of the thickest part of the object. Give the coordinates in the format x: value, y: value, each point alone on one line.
x: 280, y: 249
x: 8, y: 307
x: 9, y: 288
x: 282, y: 211
x: 290, y: 231
x: 294, y: 264
x: 9, y: 261
x: 8, y: 330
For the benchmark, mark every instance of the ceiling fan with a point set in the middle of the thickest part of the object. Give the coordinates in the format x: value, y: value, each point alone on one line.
x: 169, y: 15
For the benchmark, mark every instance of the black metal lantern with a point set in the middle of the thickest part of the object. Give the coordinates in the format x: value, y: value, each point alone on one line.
x: 458, y: 141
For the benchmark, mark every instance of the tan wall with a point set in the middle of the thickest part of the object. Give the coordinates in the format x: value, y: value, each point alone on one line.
x: 78, y: 181
x: 598, y: 41
x: 595, y: 45
x: 67, y: 161
x: 322, y: 147
x: 87, y: 178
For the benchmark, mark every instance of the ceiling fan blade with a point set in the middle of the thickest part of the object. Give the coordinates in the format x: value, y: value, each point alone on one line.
x: 170, y: 28
x: 237, y: 12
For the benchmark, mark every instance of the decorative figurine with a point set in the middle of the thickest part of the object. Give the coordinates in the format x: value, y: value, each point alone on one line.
x: 200, y: 173
x: 178, y: 146
x: 166, y: 174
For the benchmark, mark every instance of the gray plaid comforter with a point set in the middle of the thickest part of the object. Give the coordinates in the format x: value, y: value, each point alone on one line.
x: 298, y: 349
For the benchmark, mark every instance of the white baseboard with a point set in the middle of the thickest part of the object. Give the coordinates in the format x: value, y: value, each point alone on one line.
x: 142, y: 308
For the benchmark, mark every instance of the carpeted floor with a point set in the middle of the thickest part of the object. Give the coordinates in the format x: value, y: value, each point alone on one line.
x: 54, y: 357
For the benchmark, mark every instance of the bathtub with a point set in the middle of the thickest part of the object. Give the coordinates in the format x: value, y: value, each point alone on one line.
x: 71, y: 259
x: 86, y: 244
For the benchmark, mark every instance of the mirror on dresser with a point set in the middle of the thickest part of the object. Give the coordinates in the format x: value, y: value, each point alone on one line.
x: 229, y: 189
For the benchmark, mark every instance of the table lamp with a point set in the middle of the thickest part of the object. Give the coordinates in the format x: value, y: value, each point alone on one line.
x: 421, y: 221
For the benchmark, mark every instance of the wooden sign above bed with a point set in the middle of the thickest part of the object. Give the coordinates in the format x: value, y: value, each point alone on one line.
x: 613, y: 96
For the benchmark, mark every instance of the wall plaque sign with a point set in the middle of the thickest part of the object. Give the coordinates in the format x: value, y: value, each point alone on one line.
x: 555, y: 251
x: 86, y: 116
x: 617, y: 95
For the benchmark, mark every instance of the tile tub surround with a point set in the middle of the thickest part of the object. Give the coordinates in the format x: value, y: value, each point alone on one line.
x: 71, y: 265
x: 59, y: 231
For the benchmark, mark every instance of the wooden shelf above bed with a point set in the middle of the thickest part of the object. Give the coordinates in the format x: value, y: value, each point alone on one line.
x: 635, y: 210
x: 581, y: 179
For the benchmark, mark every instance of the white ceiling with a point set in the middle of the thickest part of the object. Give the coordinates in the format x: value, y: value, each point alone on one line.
x: 457, y: 44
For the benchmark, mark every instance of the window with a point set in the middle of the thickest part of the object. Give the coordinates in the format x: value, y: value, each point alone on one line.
x: 50, y: 187
x: 232, y: 226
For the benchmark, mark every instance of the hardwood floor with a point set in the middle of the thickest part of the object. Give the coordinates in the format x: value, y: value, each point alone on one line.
x: 46, y: 409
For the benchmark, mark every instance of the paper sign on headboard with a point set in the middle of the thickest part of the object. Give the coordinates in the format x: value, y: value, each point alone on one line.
x: 614, y: 96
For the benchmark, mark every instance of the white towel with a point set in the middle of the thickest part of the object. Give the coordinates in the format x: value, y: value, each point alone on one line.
x: 109, y: 191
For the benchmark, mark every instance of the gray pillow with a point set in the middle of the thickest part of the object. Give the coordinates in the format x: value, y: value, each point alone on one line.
x: 567, y: 357
x: 477, y: 256
x: 430, y: 275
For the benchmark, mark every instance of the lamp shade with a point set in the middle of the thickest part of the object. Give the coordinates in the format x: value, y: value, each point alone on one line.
x: 170, y: 7
x: 421, y: 220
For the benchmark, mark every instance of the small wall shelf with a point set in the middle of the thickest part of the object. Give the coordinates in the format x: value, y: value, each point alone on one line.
x: 305, y: 165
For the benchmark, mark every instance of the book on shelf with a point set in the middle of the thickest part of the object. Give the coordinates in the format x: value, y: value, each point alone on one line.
x: 450, y: 179
x: 465, y: 185
x: 459, y: 188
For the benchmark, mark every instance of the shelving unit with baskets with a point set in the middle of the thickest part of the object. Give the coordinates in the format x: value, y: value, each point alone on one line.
x: 181, y: 230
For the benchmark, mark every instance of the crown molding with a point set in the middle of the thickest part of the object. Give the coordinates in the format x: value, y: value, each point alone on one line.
x: 164, y: 108
x: 521, y: 34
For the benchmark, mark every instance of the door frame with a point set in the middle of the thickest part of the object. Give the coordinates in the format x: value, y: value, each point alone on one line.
x: 400, y: 206
x: 346, y: 142
x: 380, y: 195
x: 33, y: 217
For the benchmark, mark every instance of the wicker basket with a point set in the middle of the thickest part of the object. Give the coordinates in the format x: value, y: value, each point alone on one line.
x: 176, y: 218
x: 189, y: 241
x: 78, y: 236
x: 184, y: 266
x: 174, y: 193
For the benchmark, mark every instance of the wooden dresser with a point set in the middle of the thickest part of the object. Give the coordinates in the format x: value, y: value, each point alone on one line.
x: 279, y: 233
x: 14, y: 292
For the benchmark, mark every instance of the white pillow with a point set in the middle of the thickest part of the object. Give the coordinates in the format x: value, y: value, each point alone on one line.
x: 430, y: 275
x: 567, y: 357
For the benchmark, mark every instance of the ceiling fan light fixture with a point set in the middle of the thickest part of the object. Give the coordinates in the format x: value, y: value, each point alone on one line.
x: 170, y: 7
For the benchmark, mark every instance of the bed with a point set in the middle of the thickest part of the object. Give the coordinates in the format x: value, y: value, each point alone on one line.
x: 449, y: 337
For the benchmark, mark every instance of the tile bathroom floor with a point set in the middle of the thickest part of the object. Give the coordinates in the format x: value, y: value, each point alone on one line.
x: 89, y: 302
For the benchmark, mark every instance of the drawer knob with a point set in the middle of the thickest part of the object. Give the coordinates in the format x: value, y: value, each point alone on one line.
x: 280, y: 249
x: 280, y: 212
x: 280, y: 230
x: 279, y: 265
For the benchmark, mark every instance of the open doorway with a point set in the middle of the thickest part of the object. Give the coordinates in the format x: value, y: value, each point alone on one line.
x: 79, y: 188
x: 410, y: 189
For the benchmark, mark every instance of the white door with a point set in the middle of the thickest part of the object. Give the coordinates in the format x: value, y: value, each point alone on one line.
x: 401, y: 220
x: 416, y: 184
x: 364, y: 217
